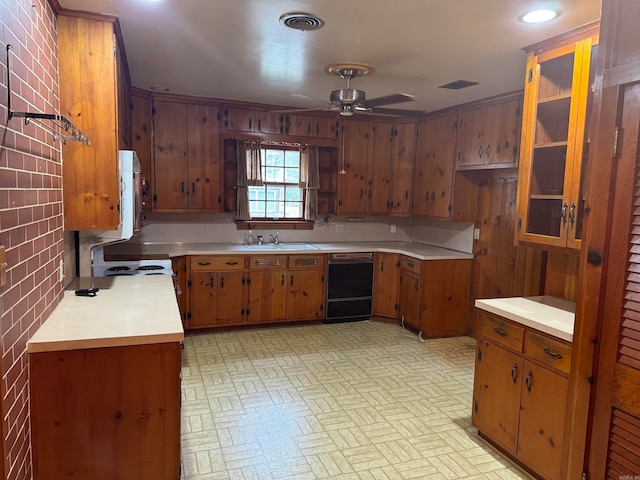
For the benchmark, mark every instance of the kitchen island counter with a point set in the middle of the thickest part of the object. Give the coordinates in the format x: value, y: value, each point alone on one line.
x: 127, y: 310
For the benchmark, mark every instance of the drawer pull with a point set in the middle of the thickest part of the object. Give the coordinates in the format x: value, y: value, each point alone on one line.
x: 232, y: 263
x: 204, y: 264
x: 411, y: 265
x: 529, y: 381
x: 555, y: 356
x: 501, y: 332
x: 514, y: 372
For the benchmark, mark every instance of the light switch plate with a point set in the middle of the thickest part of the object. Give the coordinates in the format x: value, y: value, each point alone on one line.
x: 476, y: 234
x: 339, y: 228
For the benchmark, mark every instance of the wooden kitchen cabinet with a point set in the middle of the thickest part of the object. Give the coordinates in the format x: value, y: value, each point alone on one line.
x: 267, y: 288
x: 433, y: 175
x: 93, y: 82
x: 99, y: 413
x: 249, y: 120
x: 433, y: 295
x: 520, y: 392
x: 385, y: 285
x: 187, y: 150
x: 306, y: 287
x: 179, y: 267
x: 141, y: 129
x: 203, y: 300
x: 488, y: 136
x: 404, y: 141
x: 550, y: 188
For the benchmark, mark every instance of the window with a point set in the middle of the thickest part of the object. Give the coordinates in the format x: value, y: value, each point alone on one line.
x: 281, y: 196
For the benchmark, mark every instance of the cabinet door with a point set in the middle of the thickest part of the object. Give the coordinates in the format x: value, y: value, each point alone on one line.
x: 268, y: 122
x: 496, y: 393
x: 488, y: 136
x: 231, y: 298
x: 298, y: 125
x: 240, y: 119
x: 267, y: 296
x: 305, y: 294
x: 352, y: 185
x: 385, y: 285
x: 170, y: 154
x: 434, y: 167
x: 409, y: 294
x: 204, y: 178
x: 203, y: 299
x: 325, y: 127
x: 379, y: 168
x: 549, y: 198
x: 141, y: 134
x: 403, y: 159
x: 179, y: 267
x: 542, y: 416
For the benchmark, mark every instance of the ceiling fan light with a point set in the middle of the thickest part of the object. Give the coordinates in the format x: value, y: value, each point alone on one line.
x: 346, y: 111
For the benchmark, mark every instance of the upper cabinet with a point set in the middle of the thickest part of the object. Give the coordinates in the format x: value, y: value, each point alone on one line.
x: 433, y: 174
x: 557, y: 91
x: 187, y: 154
x: 94, y: 96
x: 488, y: 136
x: 404, y: 149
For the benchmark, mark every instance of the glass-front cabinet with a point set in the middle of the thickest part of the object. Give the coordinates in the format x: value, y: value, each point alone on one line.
x: 554, y: 140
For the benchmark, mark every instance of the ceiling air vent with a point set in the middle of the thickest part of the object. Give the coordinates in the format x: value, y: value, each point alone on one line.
x: 458, y: 84
x: 301, y: 21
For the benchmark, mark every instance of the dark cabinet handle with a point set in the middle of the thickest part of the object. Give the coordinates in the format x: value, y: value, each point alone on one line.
x: 382, y: 266
x: 563, y: 213
x: 308, y: 129
x: 282, y: 280
x: 211, y: 284
x: 411, y: 264
x: 514, y: 372
x: 406, y: 195
x: 572, y: 215
x: 488, y: 151
x: 369, y: 194
x: 529, y: 381
x: 291, y: 280
x: 222, y: 282
x: 204, y: 264
x: 181, y: 187
x: 555, y: 356
x: 232, y: 263
x: 501, y: 332
x: 361, y: 193
x: 193, y: 187
x: 259, y: 125
x: 480, y: 151
x: 317, y: 129
x: 249, y: 124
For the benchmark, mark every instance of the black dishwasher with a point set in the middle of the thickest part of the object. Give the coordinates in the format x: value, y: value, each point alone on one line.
x: 350, y: 287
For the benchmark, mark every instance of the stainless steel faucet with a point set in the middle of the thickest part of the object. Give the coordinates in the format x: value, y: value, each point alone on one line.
x: 274, y: 238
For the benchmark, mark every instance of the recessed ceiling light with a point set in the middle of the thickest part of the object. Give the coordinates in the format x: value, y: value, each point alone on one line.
x: 539, y: 16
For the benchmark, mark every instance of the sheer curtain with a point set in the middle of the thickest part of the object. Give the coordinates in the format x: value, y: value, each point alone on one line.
x: 310, y: 179
x: 249, y: 174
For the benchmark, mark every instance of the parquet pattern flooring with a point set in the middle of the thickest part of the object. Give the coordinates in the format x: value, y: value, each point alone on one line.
x: 361, y: 401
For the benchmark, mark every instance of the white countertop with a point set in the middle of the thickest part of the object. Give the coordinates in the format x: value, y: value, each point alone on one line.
x: 128, y: 310
x: 546, y: 314
x: 177, y: 249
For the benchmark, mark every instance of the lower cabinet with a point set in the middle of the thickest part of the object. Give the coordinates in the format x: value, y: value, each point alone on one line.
x: 433, y: 295
x: 520, y: 393
x: 385, y: 285
x: 235, y: 290
x: 101, y: 413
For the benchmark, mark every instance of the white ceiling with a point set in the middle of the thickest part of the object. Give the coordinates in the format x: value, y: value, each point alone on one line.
x: 238, y: 50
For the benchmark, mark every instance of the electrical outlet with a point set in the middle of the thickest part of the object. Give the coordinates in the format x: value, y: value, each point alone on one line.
x: 393, y: 229
x: 61, y: 271
x: 339, y: 228
x: 476, y: 234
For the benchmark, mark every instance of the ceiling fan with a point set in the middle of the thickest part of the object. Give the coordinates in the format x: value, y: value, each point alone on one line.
x: 346, y: 101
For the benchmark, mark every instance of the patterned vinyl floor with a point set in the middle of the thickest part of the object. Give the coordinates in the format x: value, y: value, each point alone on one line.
x: 360, y: 400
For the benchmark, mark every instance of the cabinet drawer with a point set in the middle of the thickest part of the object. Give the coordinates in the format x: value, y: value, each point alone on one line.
x: 411, y: 264
x: 258, y: 262
x: 215, y: 263
x: 502, y: 331
x: 306, y: 261
x: 552, y: 352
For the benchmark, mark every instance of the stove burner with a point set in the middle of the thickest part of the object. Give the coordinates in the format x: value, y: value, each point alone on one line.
x: 145, y: 268
x: 119, y: 268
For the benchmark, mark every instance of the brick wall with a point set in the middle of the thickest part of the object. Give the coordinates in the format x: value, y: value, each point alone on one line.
x: 30, y: 211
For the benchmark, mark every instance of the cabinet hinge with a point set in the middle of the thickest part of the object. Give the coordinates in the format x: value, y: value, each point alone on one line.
x: 189, y: 283
x: 153, y: 110
x: 248, y: 312
x: 449, y: 208
x: 591, y: 380
x: 518, y: 111
x: 479, y: 355
x: 396, y: 307
x: 131, y: 106
x: 218, y: 116
x: 530, y: 75
x: 475, y: 406
x: 189, y: 316
x: 339, y: 203
x: 155, y: 198
x: 115, y: 52
x: 519, y: 224
x: 616, y: 136
x: 244, y: 281
x: 515, y: 152
x: 118, y: 207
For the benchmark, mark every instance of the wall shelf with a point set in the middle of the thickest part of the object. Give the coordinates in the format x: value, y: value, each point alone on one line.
x: 61, y: 128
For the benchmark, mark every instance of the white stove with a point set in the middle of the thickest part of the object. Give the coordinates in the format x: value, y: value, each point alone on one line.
x: 112, y: 268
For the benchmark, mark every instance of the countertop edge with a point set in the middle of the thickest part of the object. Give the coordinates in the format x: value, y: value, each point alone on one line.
x: 89, y: 343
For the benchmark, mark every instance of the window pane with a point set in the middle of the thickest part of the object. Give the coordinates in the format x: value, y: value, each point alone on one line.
x: 256, y: 193
x: 274, y: 158
x: 275, y: 209
x: 293, y: 194
x: 292, y: 158
x: 292, y: 175
x: 274, y: 174
x: 257, y: 209
x: 293, y: 209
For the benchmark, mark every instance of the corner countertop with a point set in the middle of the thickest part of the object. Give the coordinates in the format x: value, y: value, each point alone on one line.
x: 176, y: 249
x: 136, y: 310
x: 547, y: 314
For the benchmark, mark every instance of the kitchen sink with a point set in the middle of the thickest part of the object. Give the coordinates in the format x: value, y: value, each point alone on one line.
x: 281, y: 246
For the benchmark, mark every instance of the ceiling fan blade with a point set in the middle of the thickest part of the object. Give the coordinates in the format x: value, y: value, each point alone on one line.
x: 300, y: 110
x: 394, y: 111
x: 389, y: 100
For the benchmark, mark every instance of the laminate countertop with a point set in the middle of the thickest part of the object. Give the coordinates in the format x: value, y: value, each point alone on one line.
x: 547, y: 314
x: 127, y: 310
x: 177, y: 249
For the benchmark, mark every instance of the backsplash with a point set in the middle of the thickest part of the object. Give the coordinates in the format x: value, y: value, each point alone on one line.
x: 220, y: 228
